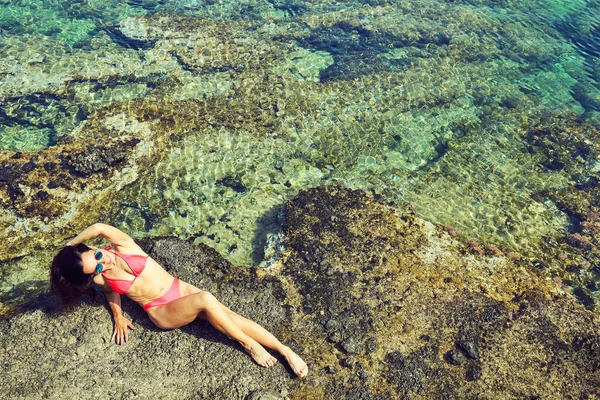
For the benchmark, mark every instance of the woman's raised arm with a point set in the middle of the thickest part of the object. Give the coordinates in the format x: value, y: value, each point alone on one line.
x: 110, y: 233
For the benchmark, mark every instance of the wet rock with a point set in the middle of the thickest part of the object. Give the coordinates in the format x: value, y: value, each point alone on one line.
x: 475, y: 248
x: 95, y: 159
x: 469, y: 348
x: 9, y: 172
x: 578, y: 240
x: 583, y: 296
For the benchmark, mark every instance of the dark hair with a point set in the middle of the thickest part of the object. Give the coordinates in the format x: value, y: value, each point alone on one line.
x: 67, y: 279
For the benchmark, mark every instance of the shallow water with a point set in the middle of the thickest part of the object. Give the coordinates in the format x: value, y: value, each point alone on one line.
x: 432, y: 106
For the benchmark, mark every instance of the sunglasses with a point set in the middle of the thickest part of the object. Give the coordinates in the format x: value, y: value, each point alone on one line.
x: 98, y: 256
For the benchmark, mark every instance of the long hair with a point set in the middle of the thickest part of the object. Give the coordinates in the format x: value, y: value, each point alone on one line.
x: 67, y: 279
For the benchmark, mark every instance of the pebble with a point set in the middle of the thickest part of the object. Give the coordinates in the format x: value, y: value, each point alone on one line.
x: 331, y: 369
x: 349, y: 362
x: 469, y: 348
x: 455, y: 357
x: 335, y: 337
x: 332, y: 325
x: 351, y: 345
x: 473, y: 373
x: 264, y: 395
x: 363, y: 375
x: 371, y: 345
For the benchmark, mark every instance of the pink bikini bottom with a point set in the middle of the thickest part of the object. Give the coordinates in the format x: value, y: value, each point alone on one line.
x: 171, y: 294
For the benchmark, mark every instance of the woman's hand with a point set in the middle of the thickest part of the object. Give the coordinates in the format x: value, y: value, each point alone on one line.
x: 120, y: 332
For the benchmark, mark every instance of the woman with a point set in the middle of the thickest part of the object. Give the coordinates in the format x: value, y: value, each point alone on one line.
x: 124, y: 268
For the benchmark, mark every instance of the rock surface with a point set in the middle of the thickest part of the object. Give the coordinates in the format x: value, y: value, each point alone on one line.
x: 396, y: 292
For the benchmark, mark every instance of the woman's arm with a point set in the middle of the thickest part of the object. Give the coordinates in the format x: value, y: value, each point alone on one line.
x: 110, y: 233
x: 120, y: 332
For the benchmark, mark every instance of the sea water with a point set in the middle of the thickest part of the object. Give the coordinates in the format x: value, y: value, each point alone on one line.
x: 477, y: 115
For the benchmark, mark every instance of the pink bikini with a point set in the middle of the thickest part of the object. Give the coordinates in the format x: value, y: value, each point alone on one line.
x: 137, y: 263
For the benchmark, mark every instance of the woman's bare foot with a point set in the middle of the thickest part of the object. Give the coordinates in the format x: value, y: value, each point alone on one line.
x: 260, y: 355
x: 298, y: 365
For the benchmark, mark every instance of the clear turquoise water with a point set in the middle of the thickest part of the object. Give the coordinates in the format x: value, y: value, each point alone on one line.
x: 428, y: 105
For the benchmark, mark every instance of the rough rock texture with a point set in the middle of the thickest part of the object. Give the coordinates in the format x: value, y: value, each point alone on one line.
x: 381, y: 305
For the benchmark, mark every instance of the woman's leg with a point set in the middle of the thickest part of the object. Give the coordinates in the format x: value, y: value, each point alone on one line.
x: 186, y: 309
x: 267, y: 339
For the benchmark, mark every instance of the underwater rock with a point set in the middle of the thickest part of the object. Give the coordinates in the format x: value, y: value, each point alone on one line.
x: 290, y: 99
x: 94, y: 159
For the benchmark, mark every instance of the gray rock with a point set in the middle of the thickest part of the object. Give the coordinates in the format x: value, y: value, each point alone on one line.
x: 371, y: 345
x: 351, y: 345
x: 335, y: 337
x: 456, y: 357
x: 469, y: 348
x: 95, y: 159
x: 363, y: 375
x: 214, y: 366
x: 349, y: 362
x: 473, y: 372
x: 264, y: 395
x: 332, y: 325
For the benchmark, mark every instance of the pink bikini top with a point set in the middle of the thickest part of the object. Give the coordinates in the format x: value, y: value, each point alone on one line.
x: 136, y: 263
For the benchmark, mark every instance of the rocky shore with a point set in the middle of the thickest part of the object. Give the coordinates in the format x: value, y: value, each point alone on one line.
x: 381, y: 304
x: 199, y: 120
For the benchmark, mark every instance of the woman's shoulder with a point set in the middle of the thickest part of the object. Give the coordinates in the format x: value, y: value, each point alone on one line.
x: 131, y: 249
x: 99, y: 280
